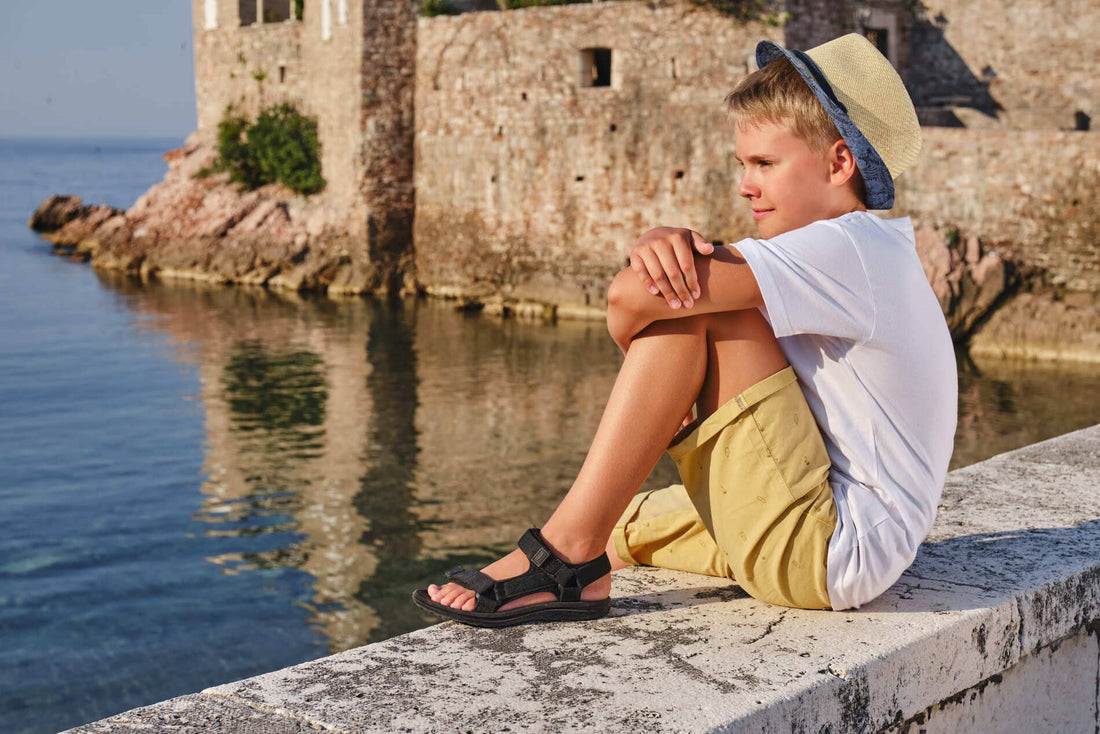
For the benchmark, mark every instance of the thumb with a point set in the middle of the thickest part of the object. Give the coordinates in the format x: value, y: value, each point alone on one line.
x: 702, y: 244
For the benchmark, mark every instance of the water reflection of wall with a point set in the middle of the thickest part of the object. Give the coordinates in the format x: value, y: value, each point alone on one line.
x: 1007, y: 404
x: 507, y: 412
x: 284, y: 387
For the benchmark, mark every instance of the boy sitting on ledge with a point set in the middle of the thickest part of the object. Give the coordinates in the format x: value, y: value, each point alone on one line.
x: 815, y: 357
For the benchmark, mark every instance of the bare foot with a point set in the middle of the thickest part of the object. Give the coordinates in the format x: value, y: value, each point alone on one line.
x: 515, y: 563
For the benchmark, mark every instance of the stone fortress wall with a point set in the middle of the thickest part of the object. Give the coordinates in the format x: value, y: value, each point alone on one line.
x: 540, y: 142
x: 995, y: 65
x: 532, y: 179
x: 532, y: 185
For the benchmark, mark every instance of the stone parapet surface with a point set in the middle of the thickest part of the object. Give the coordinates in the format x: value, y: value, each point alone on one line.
x: 1007, y: 582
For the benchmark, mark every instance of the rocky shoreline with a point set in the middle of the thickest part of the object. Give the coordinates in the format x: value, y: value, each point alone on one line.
x: 202, y: 227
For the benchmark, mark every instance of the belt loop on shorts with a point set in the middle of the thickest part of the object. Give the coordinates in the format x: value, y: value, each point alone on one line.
x: 768, y: 386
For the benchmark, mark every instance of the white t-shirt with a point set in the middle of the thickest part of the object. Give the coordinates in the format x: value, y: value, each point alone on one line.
x: 856, y: 318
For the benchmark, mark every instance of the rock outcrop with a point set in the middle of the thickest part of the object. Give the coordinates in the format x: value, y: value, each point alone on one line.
x: 1044, y: 325
x: 202, y: 227
x: 966, y: 278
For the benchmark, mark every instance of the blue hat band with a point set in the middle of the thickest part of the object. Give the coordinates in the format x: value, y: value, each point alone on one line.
x: 877, y: 181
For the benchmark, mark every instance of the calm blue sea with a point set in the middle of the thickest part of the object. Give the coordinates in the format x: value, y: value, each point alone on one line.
x: 201, y: 484
x: 107, y: 600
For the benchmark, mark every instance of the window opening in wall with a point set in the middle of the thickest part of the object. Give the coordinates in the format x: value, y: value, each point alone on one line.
x: 1081, y: 121
x: 679, y: 174
x: 578, y: 179
x: 299, y: 9
x: 246, y: 11
x: 672, y: 67
x: 524, y: 96
x: 282, y: 73
x: 342, y: 12
x: 492, y: 179
x: 880, y: 27
x: 596, y: 67
x: 878, y: 37
x: 277, y: 11
x: 211, y: 14
x: 614, y: 127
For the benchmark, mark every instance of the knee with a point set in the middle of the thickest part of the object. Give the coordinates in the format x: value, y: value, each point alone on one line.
x: 621, y: 292
x: 623, y: 306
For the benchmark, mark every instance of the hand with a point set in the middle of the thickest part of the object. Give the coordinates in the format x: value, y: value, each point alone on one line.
x: 664, y: 260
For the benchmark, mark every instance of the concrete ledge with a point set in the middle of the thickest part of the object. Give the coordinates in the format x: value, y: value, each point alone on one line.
x: 999, y: 613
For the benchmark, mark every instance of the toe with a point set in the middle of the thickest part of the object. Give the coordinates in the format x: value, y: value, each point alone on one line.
x: 450, y: 594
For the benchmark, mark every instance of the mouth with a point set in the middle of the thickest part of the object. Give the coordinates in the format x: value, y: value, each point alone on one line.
x: 759, y: 214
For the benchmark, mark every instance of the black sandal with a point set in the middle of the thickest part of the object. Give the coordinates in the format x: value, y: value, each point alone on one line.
x: 547, y: 573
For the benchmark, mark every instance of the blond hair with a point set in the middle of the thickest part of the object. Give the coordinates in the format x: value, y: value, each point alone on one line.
x: 778, y: 94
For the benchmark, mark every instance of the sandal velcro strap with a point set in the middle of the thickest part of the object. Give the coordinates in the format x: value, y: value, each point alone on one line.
x: 471, y: 579
x: 565, y: 575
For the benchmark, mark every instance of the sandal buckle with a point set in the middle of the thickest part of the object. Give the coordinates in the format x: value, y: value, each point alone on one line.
x: 540, y: 556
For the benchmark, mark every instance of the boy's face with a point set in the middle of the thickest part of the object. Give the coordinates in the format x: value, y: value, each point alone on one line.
x: 787, y: 183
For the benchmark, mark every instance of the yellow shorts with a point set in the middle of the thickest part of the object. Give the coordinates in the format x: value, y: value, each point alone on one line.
x: 755, y: 504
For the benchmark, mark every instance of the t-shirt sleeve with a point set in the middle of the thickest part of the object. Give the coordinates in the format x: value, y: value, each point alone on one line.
x: 813, y: 281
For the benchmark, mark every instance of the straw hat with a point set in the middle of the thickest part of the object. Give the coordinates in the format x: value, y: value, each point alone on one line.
x: 868, y: 103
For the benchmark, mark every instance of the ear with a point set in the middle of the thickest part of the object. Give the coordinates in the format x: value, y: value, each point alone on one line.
x: 842, y: 164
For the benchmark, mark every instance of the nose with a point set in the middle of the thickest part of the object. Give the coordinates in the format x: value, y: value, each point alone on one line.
x: 747, y: 188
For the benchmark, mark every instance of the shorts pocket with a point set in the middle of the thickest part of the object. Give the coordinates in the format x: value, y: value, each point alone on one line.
x: 790, y: 439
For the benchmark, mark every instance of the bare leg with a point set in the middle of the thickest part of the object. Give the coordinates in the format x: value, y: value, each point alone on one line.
x: 672, y: 364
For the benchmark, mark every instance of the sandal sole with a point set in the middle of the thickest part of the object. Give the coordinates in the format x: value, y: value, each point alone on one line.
x: 555, y: 611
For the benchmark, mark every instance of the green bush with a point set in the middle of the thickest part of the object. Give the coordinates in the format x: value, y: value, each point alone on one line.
x: 432, y: 8
x: 281, y: 146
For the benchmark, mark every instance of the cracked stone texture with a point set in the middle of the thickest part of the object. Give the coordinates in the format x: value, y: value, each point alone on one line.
x: 1046, y: 692
x: 1011, y: 569
x: 196, y: 714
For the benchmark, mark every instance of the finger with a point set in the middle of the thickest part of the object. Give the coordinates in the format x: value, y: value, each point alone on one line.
x: 657, y: 272
x: 639, y: 268
x: 671, y: 266
x: 702, y: 245
x: 685, y: 258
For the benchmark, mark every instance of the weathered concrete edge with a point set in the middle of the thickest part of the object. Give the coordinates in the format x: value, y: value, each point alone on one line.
x: 198, y: 713
x: 1017, y: 623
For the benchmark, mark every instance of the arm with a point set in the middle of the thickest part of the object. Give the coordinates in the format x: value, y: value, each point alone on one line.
x: 725, y: 283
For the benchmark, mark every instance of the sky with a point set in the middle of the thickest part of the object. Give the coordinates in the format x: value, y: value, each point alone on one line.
x: 102, y: 69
